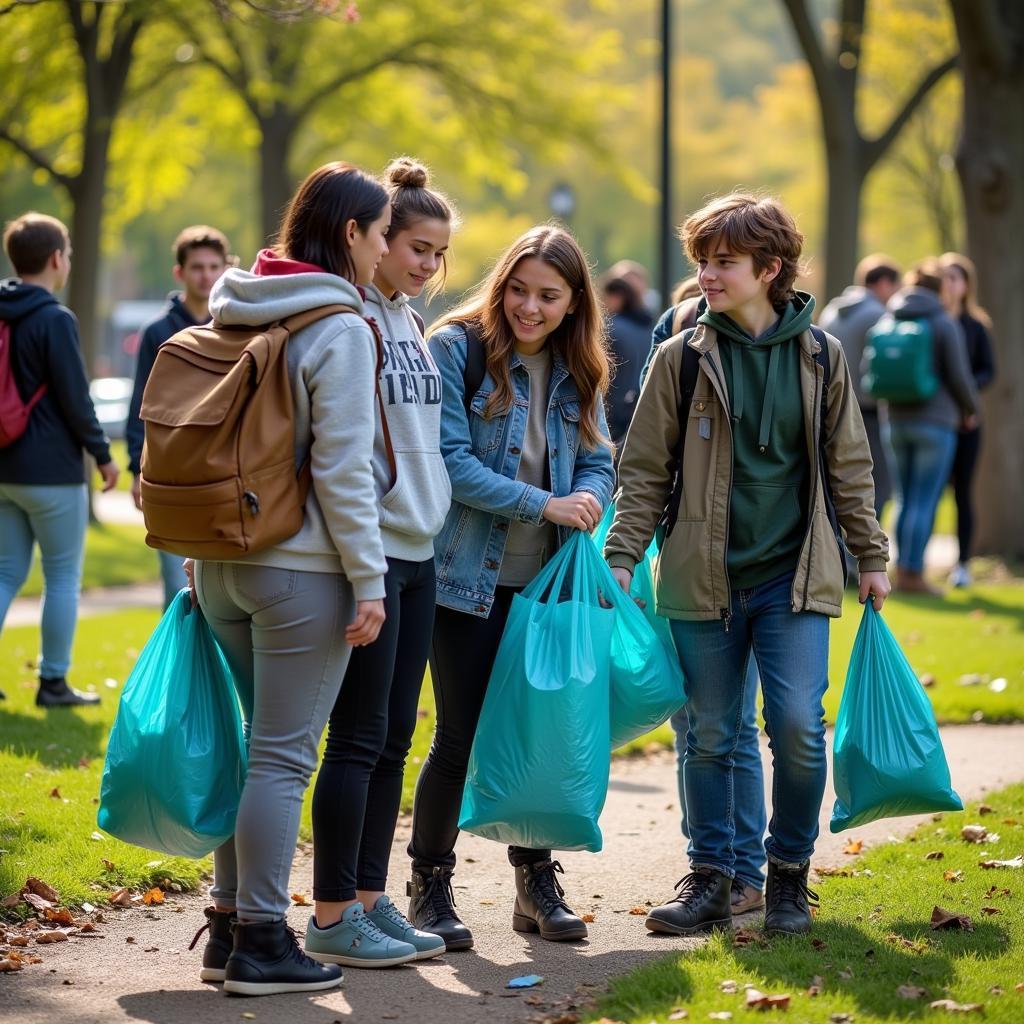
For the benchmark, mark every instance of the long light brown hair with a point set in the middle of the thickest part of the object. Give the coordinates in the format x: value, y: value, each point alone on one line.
x: 580, y: 339
x: 967, y: 268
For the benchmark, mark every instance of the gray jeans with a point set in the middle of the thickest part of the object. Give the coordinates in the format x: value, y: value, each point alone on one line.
x: 283, y: 634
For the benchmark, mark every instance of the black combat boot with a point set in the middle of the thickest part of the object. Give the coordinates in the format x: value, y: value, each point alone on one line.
x: 540, y: 906
x: 266, y: 959
x: 788, y: 901
x: 702, y: 903
x: 432, y: 908
x: 55, y: 693
x: 218, y: 945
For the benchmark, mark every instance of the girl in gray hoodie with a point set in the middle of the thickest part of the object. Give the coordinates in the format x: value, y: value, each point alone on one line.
x: 359, y: 786
x: 288, y: 617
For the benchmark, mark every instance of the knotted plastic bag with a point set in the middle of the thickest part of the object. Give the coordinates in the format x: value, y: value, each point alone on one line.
x: 538, y: 770
x: 647, y: 683
x: 888, y: 759
x: 176, y: 757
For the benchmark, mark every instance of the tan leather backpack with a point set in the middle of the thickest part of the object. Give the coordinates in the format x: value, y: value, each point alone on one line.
x: 219, y: 477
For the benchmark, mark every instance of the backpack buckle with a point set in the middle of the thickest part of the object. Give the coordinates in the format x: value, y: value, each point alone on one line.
x: 253, y: 501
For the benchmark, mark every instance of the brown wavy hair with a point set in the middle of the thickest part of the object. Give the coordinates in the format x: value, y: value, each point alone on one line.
x: 580, y: 339
x: 967, y: 268
x: 747, y: 224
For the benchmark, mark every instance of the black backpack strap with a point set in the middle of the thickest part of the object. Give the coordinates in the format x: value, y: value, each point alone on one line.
x: 689, y: 367
x: 476, y: 367
x: 419, y: 322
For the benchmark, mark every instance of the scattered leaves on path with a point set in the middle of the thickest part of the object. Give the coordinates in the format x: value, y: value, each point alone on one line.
x: 942, y: 918
x: 853, y: 846
x: 587, y: 918
x: 918, y: 946
x: 638, y: 911
x: 300, y: 899
x: 56, y: 935
x: 154, y: 895
x: 120, y: 897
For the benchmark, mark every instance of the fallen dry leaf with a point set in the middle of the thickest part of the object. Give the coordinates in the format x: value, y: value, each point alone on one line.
x: 11, y: 901
x: 679, y: 1014
x: 942, y: 918
x: 952, y: 876
x: 951, y: 1006
x: 762, y: 1001
x: 990, y: 910
x: 9, y: 965
x: 1019, y: 987
x: 911, y: 992
x: 1010, y: 821
x: 985, y: 809
x: 52, y: 936
x: 994, y: 891
x: 720, y: 1015
x: 108, y: 865
x: 816, y: 987
x: 819, y: 944
x: 41, y: 888
x: 974, y: 833
x: 914, y: 945
x: 638, y: 911
x: 18, y: 940
x: 120, y: 897
x: 563, y: 1018
x: 826, y: 871
x: 37, y: 902
x: 300, y: 899
x: 55, y: 794
x: 841, y: 1018
x: 745, y: 937
x: 728, y: 986
x: 154, y: 895
x: 934, y: 855
x: 60, y: 915
x: 587, y: 918
x: 853, y: 846
x: 1015, y: 864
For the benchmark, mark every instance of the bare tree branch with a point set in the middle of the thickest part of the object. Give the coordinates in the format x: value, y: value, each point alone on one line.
x: 36, y: 158
x: 875, y: 148
x: 810, y: 43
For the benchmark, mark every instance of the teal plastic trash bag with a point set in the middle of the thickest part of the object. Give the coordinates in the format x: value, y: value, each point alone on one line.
x: 176, y: 757
x: 538, y: 770
x: 887, y: 757
x: 647, y: 684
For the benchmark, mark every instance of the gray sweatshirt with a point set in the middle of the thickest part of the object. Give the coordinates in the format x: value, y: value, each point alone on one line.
x: 849, y: 318
x: 331, y: 364
x: 957, y: 395
x: 414, y: 510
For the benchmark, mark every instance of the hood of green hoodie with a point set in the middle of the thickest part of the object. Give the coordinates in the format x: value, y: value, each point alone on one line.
x: 795, y: 319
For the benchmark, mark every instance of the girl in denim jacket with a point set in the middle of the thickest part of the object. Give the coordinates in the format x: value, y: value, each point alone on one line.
x: 529, y: 459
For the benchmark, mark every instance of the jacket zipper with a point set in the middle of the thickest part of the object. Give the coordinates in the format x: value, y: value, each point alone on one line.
x: 726, y: 612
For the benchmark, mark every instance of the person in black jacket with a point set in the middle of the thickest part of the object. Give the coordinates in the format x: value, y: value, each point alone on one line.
x: 43, y: 494
x: 630, y: 339
x: 959, y: 291
x: 201, y: 256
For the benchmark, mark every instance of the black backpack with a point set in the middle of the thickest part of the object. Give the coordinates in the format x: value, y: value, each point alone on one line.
x: 688, y: 369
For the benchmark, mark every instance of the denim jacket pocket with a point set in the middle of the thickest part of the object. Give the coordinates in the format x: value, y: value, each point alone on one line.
x: 569, y: 413
x: 484, y: 431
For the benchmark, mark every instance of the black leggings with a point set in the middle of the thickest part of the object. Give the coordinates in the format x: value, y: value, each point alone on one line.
x: 461, y: 657
x: 359, y: 789
x: 968, y: 446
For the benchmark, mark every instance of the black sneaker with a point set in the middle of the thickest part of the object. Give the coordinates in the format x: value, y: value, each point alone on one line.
x: 540, y: 904
x: 432, y: 908
x: 266, y: 960
x: 701, y: 904
x: 788, y: 901
x: 218, y: 945
x: 55, y: 693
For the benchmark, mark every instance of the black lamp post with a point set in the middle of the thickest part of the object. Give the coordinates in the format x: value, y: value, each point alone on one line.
x: 665, y: 232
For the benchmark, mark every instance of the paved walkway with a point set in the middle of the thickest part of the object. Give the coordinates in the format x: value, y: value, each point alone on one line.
x: 141, y: 969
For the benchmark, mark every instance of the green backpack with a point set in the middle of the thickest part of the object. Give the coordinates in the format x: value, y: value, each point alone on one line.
x: 899, y: 361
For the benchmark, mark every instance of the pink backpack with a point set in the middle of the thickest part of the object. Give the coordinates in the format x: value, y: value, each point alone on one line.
x: 14, y: 413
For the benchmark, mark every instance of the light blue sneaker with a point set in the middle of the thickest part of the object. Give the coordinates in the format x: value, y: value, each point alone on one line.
x: 356, y: 941
x: 390, y: 920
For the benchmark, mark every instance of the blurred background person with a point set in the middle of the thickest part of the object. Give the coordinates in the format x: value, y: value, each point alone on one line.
x: 959, y: 295
x: 629, y: 338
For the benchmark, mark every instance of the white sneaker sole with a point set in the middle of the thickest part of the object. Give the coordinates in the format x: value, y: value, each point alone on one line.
x: 353, y: 961
x: 211, y: 974
x: 273, y: 988
x: 429, y: 954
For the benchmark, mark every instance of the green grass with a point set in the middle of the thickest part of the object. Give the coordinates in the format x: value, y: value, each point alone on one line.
x: 971, y: 631
x: 115, y: 555
x: 871, y: 936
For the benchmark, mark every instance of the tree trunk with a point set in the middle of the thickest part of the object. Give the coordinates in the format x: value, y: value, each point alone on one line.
x: 842, y: 217
x: 989, y: 161
x: 86, y: 226
x: 277, y: 133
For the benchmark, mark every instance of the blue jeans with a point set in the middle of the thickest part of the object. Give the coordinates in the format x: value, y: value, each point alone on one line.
x: 56, y: 516
x: 791, y: 650
x: 172, y: 574
x: 924, y: 457
x: 749, y: 815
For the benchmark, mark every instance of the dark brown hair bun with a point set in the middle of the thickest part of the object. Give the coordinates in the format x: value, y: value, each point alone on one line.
x: 405, y: 172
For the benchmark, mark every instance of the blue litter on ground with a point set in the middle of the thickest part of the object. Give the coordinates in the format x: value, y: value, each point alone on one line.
x: 526, y: 981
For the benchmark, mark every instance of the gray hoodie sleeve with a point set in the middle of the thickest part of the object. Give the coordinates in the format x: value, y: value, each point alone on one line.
x: 956, y: 366
x: 341, y: 378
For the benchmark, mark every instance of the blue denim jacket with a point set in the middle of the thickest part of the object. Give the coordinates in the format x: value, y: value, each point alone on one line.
x: 482, y: 459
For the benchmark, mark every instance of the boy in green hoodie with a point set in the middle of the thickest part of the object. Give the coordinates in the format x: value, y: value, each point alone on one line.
x: 764, y: 460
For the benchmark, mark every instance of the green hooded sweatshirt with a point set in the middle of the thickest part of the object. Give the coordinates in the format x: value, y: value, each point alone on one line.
x: 767, y: 520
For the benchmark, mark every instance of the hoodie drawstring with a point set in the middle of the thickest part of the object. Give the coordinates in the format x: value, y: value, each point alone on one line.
x: 768, y: 408
x: 736, y: 398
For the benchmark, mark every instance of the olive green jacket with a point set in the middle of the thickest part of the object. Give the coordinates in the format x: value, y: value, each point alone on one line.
x: 691, y: 578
